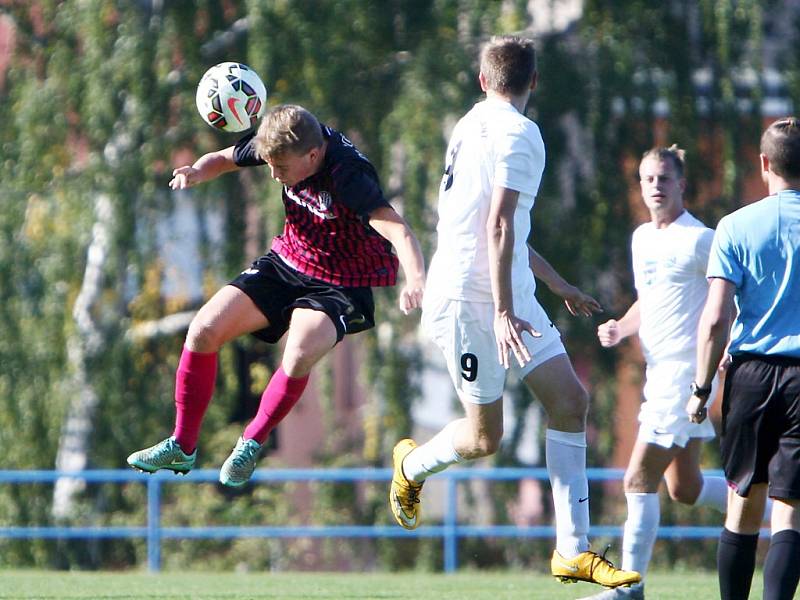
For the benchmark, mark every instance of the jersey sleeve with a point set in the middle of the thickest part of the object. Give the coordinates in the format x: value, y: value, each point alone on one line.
x: 519, y: 160
x: 723, y: 260
x: 703, y: 248
x: 358, y: 189
x: 636, y: 240
x: 244, y: 152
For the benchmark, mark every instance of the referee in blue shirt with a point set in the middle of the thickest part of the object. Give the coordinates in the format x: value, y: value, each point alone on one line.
x: 754, y: 273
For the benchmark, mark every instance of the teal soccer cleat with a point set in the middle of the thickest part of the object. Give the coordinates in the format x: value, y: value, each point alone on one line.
x: 239, y: 466
x: 164, y: 455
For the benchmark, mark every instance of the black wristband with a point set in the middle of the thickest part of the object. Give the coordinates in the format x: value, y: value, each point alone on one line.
x: 700, y: 392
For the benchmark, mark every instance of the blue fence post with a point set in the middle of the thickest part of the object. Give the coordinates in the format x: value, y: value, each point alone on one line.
x: 154, y: 523
x: 450, y: 524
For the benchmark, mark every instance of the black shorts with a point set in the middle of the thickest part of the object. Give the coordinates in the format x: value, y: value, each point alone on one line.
x: 277, y: 289
x: 760, y: 439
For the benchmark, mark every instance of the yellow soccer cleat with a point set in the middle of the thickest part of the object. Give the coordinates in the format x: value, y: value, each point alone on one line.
x: 591, y: 567
x: 404, y: 494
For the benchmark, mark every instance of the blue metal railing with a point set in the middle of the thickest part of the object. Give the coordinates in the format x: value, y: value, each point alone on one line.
x: 450, y: 530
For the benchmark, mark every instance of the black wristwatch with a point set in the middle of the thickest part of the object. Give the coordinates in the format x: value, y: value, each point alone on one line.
x: 701, y: 392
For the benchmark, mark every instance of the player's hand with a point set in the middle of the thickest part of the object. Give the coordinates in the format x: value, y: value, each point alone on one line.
x: 411, y: 295
x: 724, y: 363
x: 508, y: 333
x: 696, y: 409
x: 578, y: 303
x: 608, y: 333
x: 183, y: 177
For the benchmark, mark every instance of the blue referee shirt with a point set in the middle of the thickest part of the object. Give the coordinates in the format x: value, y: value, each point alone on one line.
x: 757, y: 248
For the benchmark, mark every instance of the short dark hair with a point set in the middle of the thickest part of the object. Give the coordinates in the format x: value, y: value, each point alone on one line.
x: 780, y: 143
x: 673, y: 153
x: 287, y: 129
x: 508, y: 64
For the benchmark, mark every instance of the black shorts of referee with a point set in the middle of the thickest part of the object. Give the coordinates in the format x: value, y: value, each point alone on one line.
x: 760, y: 441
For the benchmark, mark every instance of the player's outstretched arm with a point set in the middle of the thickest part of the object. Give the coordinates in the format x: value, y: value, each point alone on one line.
x: 206, y: 167
x: 575, y: 300
x: 394, y: 228
x: 613, y: 331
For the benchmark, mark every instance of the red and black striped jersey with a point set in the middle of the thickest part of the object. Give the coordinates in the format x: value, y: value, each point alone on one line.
x: 326, y: 234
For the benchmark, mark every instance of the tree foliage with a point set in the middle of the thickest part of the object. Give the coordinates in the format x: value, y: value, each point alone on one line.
x: 97, y: 108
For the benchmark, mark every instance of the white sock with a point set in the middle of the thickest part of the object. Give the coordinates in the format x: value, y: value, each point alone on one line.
x: 641, y: 529
x: 433, y: 456
x: 566, y: 465
x: 714, y: 494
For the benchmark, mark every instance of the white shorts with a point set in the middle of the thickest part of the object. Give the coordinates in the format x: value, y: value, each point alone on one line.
x: 662, y: 418
x: 464, y: 331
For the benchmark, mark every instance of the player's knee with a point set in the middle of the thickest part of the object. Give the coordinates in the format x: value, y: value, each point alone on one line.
x: 634, y: 482
x: 298, y: 361
x: 489, y: 445
x: 573, y: 408
x: 684, y: 493
x: 202, y: 336
x: 483, y: 444
x: 639, y: 479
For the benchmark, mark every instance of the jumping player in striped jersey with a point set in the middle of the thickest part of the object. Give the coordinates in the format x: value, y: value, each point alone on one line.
x: 314, y: 283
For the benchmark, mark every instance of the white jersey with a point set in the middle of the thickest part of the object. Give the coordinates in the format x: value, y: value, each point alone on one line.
x: 669, y: 269
x: 492, y: 145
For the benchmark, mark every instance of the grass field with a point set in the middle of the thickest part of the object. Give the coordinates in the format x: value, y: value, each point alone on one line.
x: 490, y: 585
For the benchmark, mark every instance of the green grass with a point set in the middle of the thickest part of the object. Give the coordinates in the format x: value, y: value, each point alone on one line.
x: 479, y: 585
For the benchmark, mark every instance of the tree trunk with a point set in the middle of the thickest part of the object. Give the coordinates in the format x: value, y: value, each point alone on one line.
x: 73, y: 443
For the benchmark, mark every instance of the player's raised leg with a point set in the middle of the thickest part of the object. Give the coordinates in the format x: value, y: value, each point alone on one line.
x: 228, y: 314
x: 460, y: 331
x: 687, y: 483
x: 311, y: 336
x: 475, y: 436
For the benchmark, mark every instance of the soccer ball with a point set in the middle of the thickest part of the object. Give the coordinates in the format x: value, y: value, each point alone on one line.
x: 231, y: 97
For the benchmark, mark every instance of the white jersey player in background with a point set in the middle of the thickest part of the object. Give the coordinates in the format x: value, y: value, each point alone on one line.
x: 479, y: 308
x: 670, y: 254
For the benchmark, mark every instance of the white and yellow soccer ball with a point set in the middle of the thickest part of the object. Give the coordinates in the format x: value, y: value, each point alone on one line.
x: 231, y: 97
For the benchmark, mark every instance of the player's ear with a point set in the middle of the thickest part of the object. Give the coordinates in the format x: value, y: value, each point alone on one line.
x: 535, y: 80
x: 482, y: 80
x: 764, y: 167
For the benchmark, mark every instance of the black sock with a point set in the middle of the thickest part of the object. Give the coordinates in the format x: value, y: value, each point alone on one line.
x: 782, y: 566
x: 736, y: 561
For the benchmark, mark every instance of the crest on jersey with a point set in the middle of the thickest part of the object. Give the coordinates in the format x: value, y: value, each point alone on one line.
x: 325, y: 201
x: 319, y: 205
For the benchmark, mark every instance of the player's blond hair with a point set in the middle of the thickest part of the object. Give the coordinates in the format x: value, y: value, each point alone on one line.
x: 674, y: 153
x: 287, y: 129
x: 508, y: 64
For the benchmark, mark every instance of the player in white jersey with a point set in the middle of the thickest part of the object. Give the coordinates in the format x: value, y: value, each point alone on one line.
x: 670, y: 254
x: 480, y: 309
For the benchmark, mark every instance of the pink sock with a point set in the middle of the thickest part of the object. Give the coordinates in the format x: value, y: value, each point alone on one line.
x: 194, y: 385
x: 281, y: 395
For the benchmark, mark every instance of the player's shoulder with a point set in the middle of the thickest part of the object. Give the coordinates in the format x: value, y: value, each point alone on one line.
x: 693, y: 226
x: 340, y: 148
x: 744, y: 218
x: 505, y: 119
x: 343, y: 158
x: 642, y: 231
x: 751, y: 211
